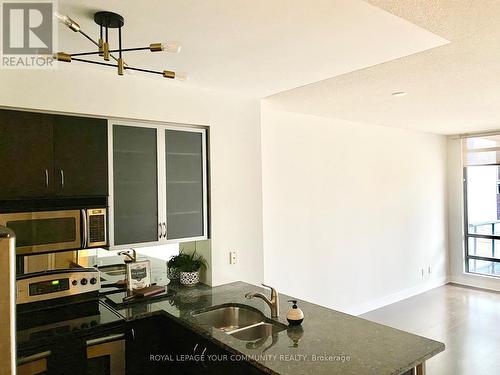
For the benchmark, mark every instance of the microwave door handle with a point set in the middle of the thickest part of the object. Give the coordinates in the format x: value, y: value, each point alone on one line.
x: 85, y: 231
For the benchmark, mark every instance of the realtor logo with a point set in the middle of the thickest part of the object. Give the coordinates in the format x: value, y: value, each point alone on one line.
x: 28, y: 34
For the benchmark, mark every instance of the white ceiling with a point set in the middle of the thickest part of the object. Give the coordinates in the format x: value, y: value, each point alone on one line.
x: 258, y: 47
x: 454, y: 88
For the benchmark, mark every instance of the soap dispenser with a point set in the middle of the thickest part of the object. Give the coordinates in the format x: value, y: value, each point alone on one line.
x: 295, y: 316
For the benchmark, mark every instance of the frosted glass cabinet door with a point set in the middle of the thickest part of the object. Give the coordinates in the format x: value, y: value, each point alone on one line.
x: 135, y: 184
x: 184, y: 184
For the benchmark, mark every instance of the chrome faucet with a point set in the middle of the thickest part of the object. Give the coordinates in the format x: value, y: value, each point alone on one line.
x: 273, y: 303
x: 131, y: 258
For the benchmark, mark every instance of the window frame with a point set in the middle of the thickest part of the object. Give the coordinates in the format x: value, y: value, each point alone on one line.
x: 467, y: 235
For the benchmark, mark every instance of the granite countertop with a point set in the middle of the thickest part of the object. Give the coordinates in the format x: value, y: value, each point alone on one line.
x: 328, y: 342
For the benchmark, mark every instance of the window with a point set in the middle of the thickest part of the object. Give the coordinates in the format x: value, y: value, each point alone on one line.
x: 482, y: 204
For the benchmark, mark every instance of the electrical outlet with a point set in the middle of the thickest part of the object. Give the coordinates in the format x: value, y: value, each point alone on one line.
x: 233, y: 258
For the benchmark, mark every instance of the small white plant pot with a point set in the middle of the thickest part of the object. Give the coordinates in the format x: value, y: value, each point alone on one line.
x: 173, y: 273
x: 189, y: 278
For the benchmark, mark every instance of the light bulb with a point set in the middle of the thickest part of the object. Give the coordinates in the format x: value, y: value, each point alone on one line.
x: 173, y: 75
x: 67, y: 21
x: 171, y: 47
x: 181, y: 76
x: 60, y: 17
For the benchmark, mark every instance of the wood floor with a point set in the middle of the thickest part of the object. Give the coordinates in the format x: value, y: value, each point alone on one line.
x: 467, y: 320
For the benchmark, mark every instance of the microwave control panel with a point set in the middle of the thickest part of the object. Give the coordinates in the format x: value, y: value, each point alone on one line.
x: 96, y: 226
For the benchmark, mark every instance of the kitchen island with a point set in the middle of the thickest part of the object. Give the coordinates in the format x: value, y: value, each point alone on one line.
x: 181, y: 332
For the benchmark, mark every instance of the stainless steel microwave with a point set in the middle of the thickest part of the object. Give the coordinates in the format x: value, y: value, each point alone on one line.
x: 48, y: 231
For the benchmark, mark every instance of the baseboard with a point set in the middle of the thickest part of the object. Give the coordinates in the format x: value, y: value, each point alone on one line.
x: 477, y: 281
x: 398, y: 296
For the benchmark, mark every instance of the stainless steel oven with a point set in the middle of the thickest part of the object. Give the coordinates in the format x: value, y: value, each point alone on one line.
x: 66, y: 302
x: 49, y: 231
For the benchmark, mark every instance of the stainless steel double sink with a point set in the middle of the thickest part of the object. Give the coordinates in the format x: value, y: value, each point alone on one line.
x: 240, y: 321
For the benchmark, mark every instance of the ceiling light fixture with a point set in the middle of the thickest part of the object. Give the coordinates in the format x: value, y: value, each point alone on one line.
x: 399, y: 93
x: 110, y: 20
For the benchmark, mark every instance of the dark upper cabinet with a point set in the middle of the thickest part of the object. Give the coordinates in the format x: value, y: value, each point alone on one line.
x: 26, y: 154
x: 80, y: 156
x: 44, y: 155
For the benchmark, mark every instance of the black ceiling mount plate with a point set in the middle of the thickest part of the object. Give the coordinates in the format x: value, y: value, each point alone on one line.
x: 109, y: 19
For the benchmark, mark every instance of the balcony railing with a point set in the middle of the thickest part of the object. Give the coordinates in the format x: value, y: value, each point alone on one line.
x: 483, y: 253
x: 486, y: 230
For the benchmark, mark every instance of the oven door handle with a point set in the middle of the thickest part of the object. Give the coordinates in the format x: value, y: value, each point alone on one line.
x: 105, y: 339
x: 85, y: 231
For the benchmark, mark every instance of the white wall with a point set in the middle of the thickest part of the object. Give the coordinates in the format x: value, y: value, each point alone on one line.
x: 352, y: 212
x: 236, y: 201
x: 456, y: 222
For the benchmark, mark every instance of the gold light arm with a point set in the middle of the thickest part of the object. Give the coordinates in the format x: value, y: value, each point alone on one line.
x: 121, y: 67
x: 101, y: 47
x: 170, y: 47
x: 156, y: 47
x: 62, y: 56
x: 168, y: 74
x: 105, y: 51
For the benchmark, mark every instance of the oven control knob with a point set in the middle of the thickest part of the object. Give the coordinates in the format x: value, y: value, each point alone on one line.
x: 93, y: 281
x: 84, y: 281
x: 74, y: 282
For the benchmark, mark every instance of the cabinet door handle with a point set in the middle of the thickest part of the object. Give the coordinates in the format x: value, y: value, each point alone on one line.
x: 62, y: 178
x: 46, y: 178
x: 164, y: 230
x: 132, y: 333
x: 160, y: 232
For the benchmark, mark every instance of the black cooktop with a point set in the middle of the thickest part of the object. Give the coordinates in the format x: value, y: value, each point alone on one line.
x: 42, y: 328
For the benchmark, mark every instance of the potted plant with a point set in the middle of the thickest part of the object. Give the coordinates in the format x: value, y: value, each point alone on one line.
x: 190, y: 269
x: 174, y: 264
